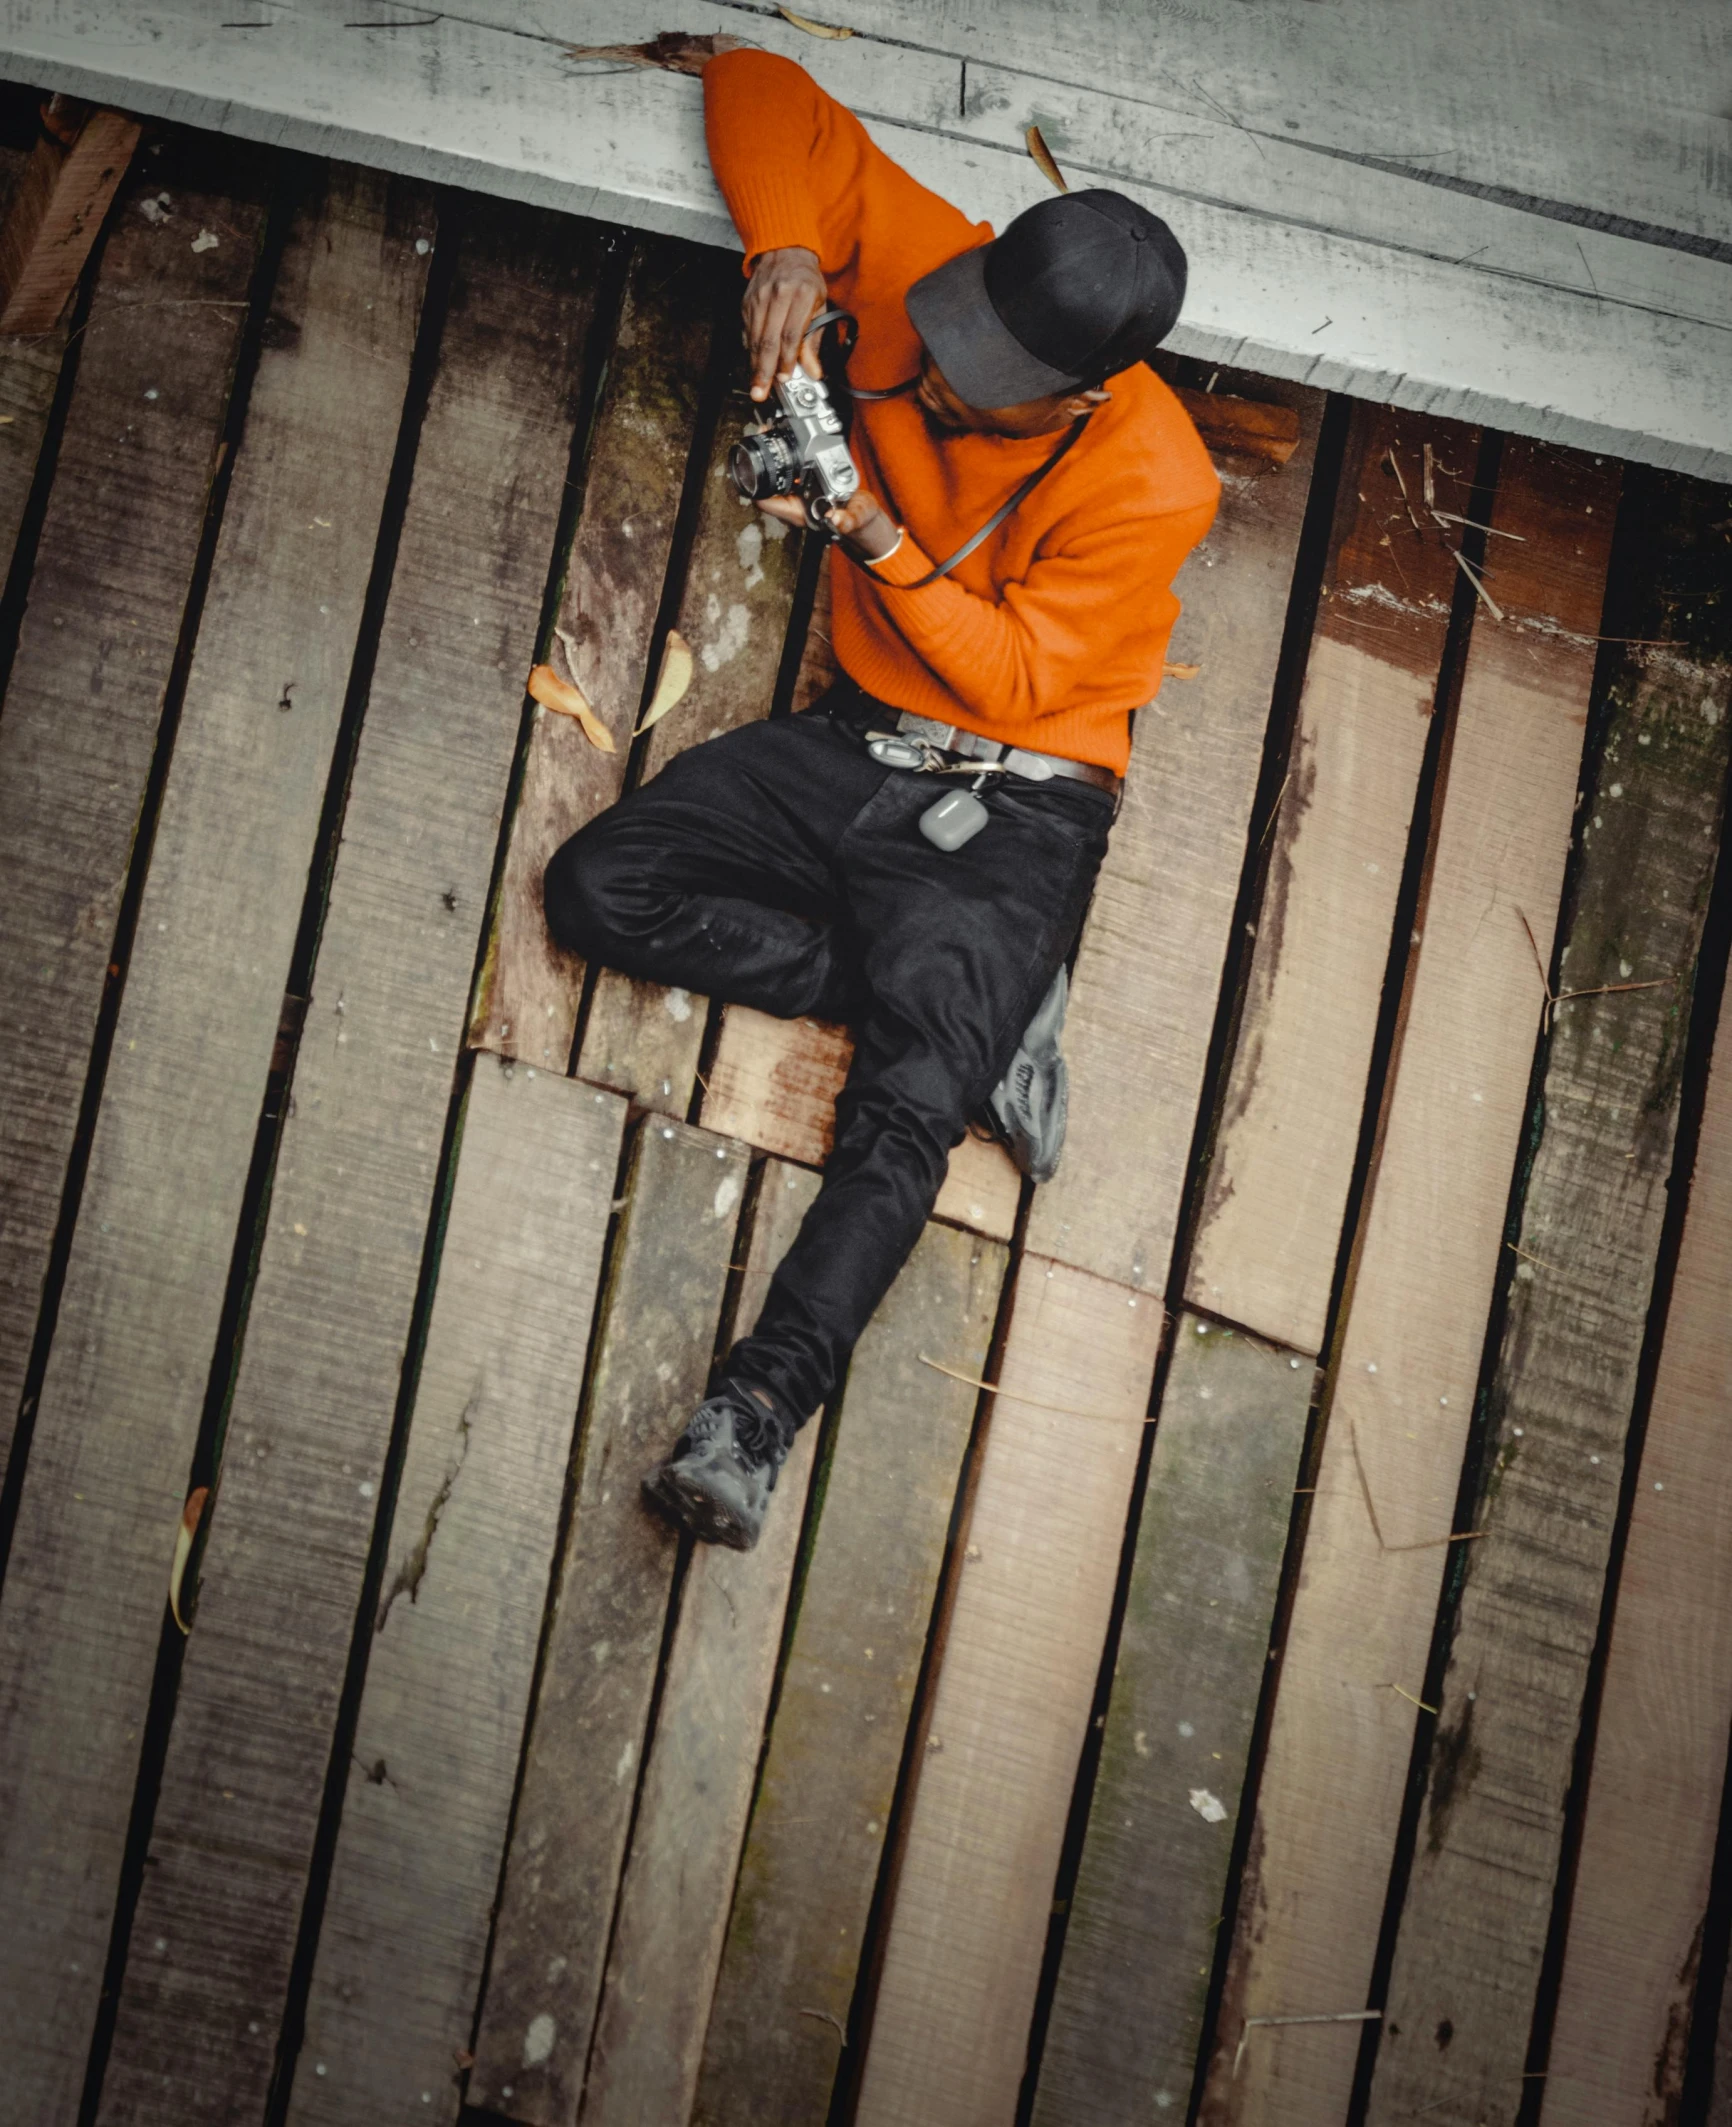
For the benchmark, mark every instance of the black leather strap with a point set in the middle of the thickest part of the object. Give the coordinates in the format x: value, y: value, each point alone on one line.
x: 1073, y: 436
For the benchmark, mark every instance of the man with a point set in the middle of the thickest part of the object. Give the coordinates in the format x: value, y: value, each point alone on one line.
x: 791, y: 865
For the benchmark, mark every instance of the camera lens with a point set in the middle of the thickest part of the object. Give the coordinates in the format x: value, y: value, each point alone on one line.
x: 763, y: 465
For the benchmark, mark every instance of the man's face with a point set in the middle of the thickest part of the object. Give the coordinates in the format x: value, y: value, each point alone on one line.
x: 1030, y: 417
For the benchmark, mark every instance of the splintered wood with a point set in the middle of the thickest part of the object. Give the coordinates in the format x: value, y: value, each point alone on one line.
x: 1430, y: 1253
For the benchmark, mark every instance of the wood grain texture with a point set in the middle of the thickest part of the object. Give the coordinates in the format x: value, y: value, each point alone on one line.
x: 29, y: 373
x: 526, y: 1004
x: 1265, y: 1249
x: 702, y: 1763
x: 113, y: 565
x: 1011, y: 1704
x: 666, y: 1284
x: 818, y: 670
x: 1438, y: 221
x: 1479, y: 1899
x: 1127, y: 2016
x: 816, y: 1842
x: 334, y: 1294
x: 1143, y: 995
x: 774, y: 1083
x: 1429, y: 1257
x: 121, y: 1402
x: 1628, y: 1989
x: 434, y: 1762
x: 734, y: 611
x: 54, y: 217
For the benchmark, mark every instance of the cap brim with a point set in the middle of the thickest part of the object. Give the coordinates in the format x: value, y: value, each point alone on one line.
x: 983, y: 361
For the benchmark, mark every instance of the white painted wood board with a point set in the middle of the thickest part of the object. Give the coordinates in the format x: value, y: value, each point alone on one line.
x: 1424, y: 218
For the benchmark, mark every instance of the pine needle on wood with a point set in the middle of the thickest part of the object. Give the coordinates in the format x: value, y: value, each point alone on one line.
x: 1064, y: 1410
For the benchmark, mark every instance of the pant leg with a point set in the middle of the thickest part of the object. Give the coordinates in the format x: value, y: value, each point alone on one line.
x: 719, y: 875
x: 958, y: 949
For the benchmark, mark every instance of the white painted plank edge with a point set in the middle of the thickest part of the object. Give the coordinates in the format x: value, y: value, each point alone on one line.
x: 498, y: 109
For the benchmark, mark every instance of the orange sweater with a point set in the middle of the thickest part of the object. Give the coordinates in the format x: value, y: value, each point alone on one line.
x: 1056, y: 627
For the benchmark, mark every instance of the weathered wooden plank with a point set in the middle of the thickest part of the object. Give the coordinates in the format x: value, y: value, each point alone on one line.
x: 1479, y: 1899
x: 1127, y: 2017
x: 1628, y: 1990
x: 56, y: 213
x: 1312, y: 1898
x: 143, y: 1294
x: 1265, y: 1249
x: 818, y: 668
x: 112, y: 570
x: 29, y: 373
x: 527, y: 1001
x: 664, y: 1300
x: 434, y: 1761
x: 817, y: 1835
x: 697, y: 1787
x: 1144, y: 992
x: 1012, y: 1701
x: 774, y: 1082
x: 734, y: 610
x: 1341, y: 229
x: 333, y: 1301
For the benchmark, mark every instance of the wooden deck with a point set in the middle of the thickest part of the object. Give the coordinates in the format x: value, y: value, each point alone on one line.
x: 1297, y: 1695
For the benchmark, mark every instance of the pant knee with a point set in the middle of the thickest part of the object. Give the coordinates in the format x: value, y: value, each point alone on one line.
x: 582, y: 894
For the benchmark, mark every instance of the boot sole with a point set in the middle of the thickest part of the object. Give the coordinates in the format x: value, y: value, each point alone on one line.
x: 708, y: 1520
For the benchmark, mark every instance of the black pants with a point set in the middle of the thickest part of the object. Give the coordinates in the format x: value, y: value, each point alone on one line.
x: 780, y: 866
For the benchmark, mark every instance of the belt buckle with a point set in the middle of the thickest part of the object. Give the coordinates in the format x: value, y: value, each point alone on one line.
x: 927, y: 729
x: 891, y: 749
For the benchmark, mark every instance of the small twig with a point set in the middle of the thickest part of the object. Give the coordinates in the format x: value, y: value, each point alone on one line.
x: 1406, y: 500
x: 823, y: 2016
x: 1527, y: 1258
x: 1589, y: 271
x: 1065, y: 1410
x: 1497, y: 531
x: 1275, y: 809
x: 1610, y: 989
x: 1411, y: 1700
x: 1466, y: 568
x: 1429, y: 484
x: 1426, y: 1543
x: 1334, y: 2016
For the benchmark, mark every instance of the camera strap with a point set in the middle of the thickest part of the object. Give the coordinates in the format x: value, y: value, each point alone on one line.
x: 836, y: 375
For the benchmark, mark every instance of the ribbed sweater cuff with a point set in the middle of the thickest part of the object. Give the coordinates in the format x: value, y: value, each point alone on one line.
x: 772, y: 211
x: 905, y: 566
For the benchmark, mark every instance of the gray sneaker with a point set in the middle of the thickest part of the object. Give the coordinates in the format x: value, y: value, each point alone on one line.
x: 1028, y: 1107
x: 718, y: 1480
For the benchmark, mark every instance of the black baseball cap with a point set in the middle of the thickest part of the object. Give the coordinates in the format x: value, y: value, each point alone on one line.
x: 1076, y: 289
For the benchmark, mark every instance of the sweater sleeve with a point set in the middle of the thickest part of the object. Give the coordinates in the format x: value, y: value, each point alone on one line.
x: 786, y: 156
x: 1105, y: 593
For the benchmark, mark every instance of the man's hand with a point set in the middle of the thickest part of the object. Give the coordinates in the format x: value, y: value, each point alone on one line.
x: 786, y: 292
x: 862, y: 525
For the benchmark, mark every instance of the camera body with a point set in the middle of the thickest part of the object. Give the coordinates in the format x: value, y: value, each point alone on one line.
x: 800, y: 451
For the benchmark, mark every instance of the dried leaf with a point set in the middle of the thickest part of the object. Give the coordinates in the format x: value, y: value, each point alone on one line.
x: 672, y: 681
x: 559, y: 695
x: 812, y: 29
x: 1181, y: 671
x: 675, y: 50
x: 190, y: 1516
x: 1042, y: 154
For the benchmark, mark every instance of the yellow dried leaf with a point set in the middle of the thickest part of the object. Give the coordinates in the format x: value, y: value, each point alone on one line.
x: 564, y: 699
x: 190, y: 1516
x: 672, y: 681
x: 812, y: 29
x: 1042, y: 154
x: 1181, y: 671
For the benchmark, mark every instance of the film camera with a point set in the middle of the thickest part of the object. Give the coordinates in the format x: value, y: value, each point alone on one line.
x: 800, y: 451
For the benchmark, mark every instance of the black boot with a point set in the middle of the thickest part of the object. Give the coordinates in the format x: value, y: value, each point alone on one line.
x: 718, y: 1480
